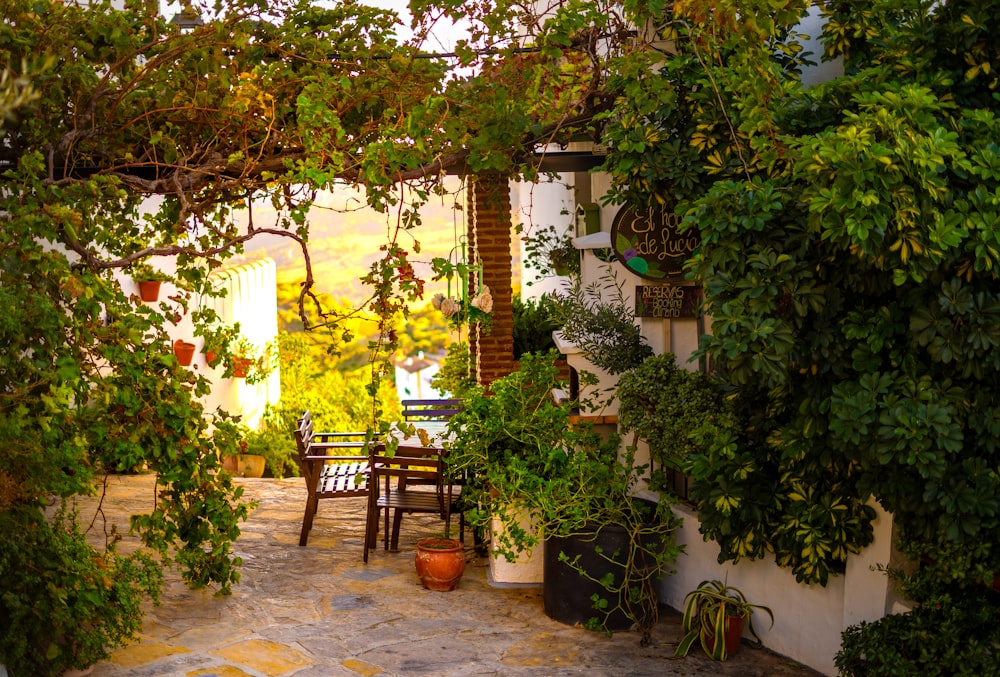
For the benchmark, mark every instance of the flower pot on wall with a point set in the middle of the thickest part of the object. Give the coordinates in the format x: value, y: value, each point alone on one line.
x: 184, y: 352
x: 440, y: 563
x: 241, y: 365
x: 149, y: 290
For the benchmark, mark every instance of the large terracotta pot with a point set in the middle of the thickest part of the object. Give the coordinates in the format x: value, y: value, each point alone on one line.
x: 184, y: 352
x: 440, y: 563
x: 245, y: 465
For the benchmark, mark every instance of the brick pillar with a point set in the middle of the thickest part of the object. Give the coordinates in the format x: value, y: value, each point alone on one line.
x: 489, y: 222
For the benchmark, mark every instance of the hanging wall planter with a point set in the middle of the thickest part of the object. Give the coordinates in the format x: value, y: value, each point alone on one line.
x: 241, y: 365
x: 149, y: 290
x: 184, y: 351
x: 149, y: 280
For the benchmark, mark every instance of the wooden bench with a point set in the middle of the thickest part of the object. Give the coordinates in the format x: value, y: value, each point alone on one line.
x: 334, y: 464
x: 435, y: 410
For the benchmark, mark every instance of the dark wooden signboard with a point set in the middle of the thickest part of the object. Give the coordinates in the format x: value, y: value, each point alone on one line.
x: 647, y: 242
x: 670, y: 301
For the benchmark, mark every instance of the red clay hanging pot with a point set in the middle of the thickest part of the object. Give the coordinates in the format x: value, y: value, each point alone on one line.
x: 241, y: 365
x: 149, y: 290
x: 184, y: 352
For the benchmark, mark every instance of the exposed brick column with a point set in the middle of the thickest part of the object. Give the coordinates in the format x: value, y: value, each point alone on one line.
x: 489, y: 222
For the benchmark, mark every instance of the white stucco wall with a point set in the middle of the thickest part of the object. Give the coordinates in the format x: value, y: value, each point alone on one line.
x: 547, y: 204
x: 808, y: 619
x: 251, y: 300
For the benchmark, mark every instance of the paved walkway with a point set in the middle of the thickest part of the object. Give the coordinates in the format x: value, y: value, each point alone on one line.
x: 318, y: 611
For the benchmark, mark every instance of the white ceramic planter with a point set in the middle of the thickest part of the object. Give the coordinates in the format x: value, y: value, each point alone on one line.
x: 526, y: 570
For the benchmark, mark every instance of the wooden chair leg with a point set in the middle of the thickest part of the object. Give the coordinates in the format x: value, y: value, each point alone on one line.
x: 397, y: 520
x: 371, y: 526
x: 312, y: 503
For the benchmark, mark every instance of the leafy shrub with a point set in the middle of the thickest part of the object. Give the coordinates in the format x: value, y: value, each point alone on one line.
x: 666, y: 405
x: 958, y: 638
x: 533, y: 325
x: 62, y: 604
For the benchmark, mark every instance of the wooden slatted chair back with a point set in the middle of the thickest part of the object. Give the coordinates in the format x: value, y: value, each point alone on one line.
x: 431, y: 409
x: 334, y: 465
x: 407, y: 479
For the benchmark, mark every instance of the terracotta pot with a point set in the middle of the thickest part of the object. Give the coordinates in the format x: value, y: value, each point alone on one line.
x: 440, y: 563
x: 252, y: 465
x: 245, y: 465
x: 184, y: 352
x: 733, y: 634
x: 240, y: 367
x: 149, y: 290
x: 210, y: 357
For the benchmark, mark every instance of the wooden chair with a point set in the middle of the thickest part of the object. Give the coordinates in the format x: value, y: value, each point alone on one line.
x: 434, y: 410
x: 410, y: 479
x: 334, y: 464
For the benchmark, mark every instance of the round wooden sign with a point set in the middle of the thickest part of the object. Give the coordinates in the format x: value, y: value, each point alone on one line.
x: 648, y: 244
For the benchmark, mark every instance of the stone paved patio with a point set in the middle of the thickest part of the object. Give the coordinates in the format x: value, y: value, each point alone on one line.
x: 318, y: 611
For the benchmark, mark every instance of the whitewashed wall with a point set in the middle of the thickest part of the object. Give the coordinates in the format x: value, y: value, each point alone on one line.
x: 808, y: 619
x: 548, y: 204
x: 251, y: 300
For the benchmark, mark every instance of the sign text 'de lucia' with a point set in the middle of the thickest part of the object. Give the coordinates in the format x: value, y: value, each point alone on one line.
x: 649, y: 244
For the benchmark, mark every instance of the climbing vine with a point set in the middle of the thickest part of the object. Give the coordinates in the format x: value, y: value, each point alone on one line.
x: 848, y: 259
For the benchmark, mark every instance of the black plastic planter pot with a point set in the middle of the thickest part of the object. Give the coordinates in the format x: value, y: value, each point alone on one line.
x: 567, y: 593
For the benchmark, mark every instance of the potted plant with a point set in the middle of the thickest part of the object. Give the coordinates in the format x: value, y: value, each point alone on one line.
x: 524, y: 455
x: 218, y: 338
x: 598, y: 321
x: 243, y: 463
x: 149, y: 280
x: 250, y: 362
x: 548, y: 250
x: 716, y: 615
x: 272, y: 442
x: 184, y: 352
x: 440, y: 562
x: 672, y: 409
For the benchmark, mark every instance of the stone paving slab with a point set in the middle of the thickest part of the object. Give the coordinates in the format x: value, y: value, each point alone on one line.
x: 319, y: 611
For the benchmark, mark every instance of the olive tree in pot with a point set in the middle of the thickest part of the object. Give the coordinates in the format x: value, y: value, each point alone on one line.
x: 521, y: 449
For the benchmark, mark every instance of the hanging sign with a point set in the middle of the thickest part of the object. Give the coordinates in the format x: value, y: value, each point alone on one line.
x: 669, y: 301
x: 647, y: 242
